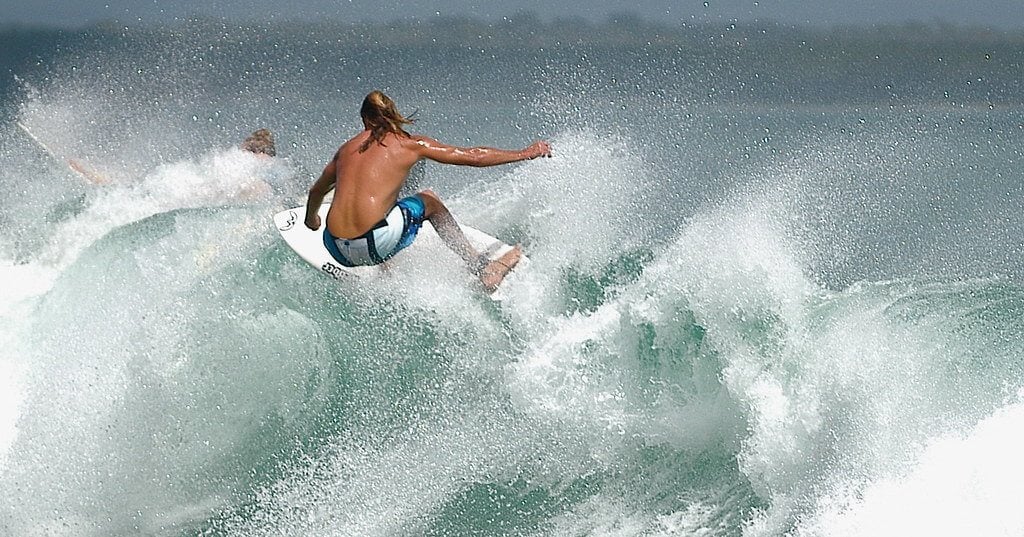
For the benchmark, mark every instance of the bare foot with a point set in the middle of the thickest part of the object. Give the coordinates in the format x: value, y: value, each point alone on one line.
x: 492, y: 275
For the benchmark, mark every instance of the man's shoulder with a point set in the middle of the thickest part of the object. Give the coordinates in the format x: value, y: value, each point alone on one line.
x: 421, y: 141
x: 414, y: 142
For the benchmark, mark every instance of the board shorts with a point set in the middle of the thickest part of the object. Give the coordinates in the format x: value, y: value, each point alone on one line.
x: 396, y: 231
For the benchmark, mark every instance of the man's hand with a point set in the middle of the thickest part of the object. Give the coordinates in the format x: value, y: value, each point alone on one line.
x: 539, y: 149
x: 314, y: 222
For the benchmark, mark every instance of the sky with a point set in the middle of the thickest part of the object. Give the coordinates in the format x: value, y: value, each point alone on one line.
x: 999, y: 14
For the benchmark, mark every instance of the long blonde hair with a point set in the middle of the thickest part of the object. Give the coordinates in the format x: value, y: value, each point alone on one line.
x: 381, y: 116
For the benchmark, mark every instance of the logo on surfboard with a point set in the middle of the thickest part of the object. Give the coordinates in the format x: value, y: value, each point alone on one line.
x: 290, y: 222
x: 334, y: 270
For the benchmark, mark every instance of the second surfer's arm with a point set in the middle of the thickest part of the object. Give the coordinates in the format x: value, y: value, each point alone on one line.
x: 87, y: 173
x: 320, y: 188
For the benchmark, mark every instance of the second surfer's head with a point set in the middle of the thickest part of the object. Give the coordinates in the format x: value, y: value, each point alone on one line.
x: 380, y: 117
x: 260, y: 142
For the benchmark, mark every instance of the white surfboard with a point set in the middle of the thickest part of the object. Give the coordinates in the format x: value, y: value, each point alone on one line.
x: 309, y: 244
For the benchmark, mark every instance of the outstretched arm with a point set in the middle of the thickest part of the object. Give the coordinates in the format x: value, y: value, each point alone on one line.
x: 320, y: 188
x: 476, y: 156
x: 88, y: 173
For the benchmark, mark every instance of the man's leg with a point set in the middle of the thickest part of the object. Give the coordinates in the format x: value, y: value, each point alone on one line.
x: 447, y: 228
x: 491, y: 273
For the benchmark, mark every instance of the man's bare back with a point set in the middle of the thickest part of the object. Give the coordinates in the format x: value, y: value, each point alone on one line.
x: 368, y: 172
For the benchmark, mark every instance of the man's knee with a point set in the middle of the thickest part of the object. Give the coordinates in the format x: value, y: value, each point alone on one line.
x: 432, y: 203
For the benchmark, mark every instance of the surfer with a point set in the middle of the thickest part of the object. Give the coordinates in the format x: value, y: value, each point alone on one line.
x: 261, y: 144
x: 367, y: 223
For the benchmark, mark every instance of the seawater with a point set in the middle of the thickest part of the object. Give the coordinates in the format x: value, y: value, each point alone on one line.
x: 775, y: 287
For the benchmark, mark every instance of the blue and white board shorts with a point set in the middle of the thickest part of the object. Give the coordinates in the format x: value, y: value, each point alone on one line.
x: 396, y: 231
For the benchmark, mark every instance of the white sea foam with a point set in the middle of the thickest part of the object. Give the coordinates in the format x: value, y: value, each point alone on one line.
x: 23, y: 283
x: 962, y: 484
x: 223, y: 178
